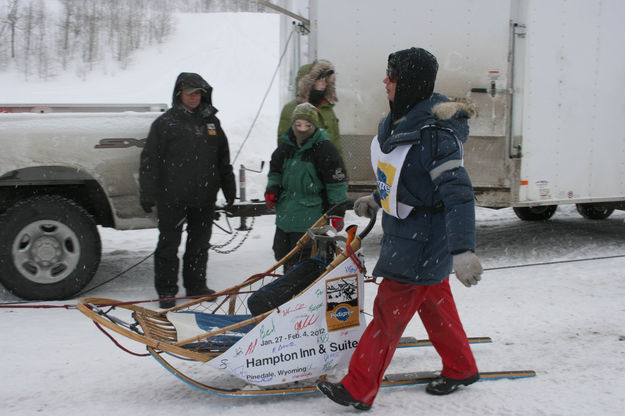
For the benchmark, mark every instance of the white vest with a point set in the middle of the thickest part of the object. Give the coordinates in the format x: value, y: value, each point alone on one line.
x: 387, y: 168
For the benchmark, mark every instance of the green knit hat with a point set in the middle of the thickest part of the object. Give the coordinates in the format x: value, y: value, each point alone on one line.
x: 306, y: 111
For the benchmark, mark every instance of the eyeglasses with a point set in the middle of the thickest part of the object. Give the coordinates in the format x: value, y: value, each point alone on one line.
x: 391, y: 74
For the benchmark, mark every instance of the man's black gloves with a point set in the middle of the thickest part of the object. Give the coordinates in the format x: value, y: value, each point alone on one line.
x: 147, y: 205
x: 229, y: 205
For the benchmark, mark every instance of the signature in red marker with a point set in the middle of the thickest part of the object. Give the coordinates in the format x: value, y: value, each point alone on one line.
x: 296, y: 308
x: 306, y: 322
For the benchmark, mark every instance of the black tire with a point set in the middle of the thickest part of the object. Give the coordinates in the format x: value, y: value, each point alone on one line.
x: 538, y: 213
x: 49, y: 248
x: 594, y: 211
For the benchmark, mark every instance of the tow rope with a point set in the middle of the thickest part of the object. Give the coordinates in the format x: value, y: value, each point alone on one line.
x: 26, y: 304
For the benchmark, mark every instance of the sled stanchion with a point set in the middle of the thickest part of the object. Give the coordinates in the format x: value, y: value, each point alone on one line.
x: 323, y: 220
x: 210, y: 334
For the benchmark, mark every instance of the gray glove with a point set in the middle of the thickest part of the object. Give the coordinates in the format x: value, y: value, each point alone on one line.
x: 365, y: 206
x: 468, y: 268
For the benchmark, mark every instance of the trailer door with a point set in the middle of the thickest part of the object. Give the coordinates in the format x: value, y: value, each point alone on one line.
x: 573, y: 147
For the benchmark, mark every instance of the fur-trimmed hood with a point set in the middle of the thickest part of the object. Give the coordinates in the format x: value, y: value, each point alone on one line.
x: 306, y: 77
x: 456, y: 108
x: 437, y: 109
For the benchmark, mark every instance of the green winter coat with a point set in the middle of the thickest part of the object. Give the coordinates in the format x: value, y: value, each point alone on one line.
x: 308, y: 180
x: 305, y: 80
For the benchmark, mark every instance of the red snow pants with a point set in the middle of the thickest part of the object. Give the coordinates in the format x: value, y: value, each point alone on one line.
x: 393, y: 308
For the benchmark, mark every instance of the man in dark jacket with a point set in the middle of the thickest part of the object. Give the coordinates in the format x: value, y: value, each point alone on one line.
x: 429, y: 227
x: 185, y: 162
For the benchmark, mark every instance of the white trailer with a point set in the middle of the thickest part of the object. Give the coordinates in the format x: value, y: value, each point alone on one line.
x: 548, y: 77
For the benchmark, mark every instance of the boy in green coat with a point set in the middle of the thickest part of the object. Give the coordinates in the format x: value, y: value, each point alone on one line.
x: 306, y: 177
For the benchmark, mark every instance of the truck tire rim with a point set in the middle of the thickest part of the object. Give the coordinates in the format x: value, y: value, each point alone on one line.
x: 46, y: 251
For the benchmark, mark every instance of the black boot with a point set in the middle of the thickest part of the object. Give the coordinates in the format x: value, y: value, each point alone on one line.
x: 167, y: 301
x: 339, y: 394
x: 442, y: 385
x: 200, y: 291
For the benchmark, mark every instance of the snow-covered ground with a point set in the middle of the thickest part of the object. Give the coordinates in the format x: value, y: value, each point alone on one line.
x: 565, y: 320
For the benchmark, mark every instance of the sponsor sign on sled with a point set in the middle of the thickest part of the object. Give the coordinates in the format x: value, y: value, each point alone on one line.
x: 310, y: 335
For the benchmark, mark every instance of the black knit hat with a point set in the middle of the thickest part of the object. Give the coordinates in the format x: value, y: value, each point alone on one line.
x: 416, y: 70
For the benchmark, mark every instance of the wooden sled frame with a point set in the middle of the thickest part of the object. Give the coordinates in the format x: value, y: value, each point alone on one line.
x: 153, y: 329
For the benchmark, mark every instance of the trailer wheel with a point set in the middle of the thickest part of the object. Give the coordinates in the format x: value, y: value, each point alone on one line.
x: 49, y: 248
x: 594, y: 211
x: 538, y: 213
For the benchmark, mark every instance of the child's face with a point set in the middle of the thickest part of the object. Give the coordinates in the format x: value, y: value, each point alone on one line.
x: 321, y: 84
x: 302, y: 125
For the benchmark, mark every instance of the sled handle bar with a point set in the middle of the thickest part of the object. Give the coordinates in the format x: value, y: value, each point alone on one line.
x: 349, y: 204
x: 368, y: 228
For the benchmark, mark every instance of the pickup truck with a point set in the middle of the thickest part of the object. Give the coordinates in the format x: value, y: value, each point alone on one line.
x: 64, y: 169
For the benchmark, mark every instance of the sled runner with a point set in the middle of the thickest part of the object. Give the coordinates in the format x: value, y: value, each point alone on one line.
x: 271, y: 334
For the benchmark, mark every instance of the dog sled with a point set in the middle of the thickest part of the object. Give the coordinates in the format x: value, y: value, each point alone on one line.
x: 272, y: 334
x: 272, y: 331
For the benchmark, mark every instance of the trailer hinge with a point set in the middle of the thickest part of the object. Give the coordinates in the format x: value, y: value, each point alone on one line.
x: 520, y: 30
x: 305, y: 22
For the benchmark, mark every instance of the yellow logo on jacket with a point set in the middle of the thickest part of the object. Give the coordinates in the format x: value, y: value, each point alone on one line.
x: 212, y: 130
x: 385, y: 177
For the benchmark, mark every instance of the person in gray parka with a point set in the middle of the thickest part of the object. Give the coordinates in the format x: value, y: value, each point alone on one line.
x: 429, y: 228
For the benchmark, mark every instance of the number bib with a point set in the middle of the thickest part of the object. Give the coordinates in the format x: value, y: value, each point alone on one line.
x: 387, y: 169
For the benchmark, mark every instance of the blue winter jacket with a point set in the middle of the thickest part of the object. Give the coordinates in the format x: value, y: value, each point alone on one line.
x: 419, y: 248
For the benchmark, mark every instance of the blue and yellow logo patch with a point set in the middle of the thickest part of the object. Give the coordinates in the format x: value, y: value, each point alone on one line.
x: 212, y: 130
x: 385, y: 178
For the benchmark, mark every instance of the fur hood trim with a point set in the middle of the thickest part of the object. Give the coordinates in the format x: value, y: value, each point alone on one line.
x: 457, y: 108
x: 307, y: 82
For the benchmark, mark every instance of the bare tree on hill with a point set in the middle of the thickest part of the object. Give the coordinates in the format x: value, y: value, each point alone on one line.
x: 83, y: 35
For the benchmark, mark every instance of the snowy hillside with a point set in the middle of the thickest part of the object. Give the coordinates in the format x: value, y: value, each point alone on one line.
x: 565, y: 319
x: 237, y: 53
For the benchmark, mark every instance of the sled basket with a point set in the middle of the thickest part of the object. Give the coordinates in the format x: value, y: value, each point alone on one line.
x: 204, y: 328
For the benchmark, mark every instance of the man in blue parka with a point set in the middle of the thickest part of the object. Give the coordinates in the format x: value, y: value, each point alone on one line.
x: 429, y: 229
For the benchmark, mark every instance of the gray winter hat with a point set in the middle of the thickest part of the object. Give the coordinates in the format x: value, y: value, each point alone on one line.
x: 306, y: 111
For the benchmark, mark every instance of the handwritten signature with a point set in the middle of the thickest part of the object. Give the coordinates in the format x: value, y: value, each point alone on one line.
x: 313, y: 308
x: 306, y: 322
x: 264, y: 333
x: 297, y: 307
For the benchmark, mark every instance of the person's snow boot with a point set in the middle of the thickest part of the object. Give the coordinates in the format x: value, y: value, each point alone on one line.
x: 339, y: 394
x: 442, y: 385
x: 200, y: 291
x: 167, y: 301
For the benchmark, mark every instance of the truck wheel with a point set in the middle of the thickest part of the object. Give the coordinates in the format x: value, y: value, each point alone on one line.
x: 594, y: 211
x: 49, y: 248
x: 538, y: 213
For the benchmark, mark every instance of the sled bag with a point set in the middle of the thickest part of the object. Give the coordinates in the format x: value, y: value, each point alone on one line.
x: 281, y: 290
